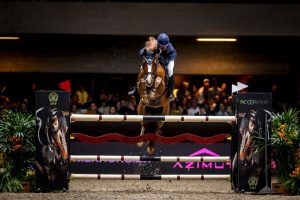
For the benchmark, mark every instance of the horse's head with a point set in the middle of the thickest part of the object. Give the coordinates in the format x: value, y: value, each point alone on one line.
x: 150, y: 65
x: 58, y: 130
x: 247, y: 128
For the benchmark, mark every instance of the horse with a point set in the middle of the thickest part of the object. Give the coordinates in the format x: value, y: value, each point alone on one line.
x: 249, y: 150
x: 154, y: 100
x: 52, y: 151
x: 251, y: 157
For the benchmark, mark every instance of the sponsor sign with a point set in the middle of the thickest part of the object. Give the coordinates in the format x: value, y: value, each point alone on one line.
x: 52, y: 135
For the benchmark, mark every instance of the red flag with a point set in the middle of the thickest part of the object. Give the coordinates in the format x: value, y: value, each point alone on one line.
x: 66, y: 85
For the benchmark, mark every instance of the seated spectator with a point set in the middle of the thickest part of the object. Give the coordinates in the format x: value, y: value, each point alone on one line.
x: 202, y: 111
x: 194, y: 110
x: 82, y: 95
x: 24, y: 107
x: 175, y: 109
x: 104, y: 108
x: 92, y: 109
x: 113, y: 110
x: 74, y: 109
x: 222, y: 110
x: 75, y: 100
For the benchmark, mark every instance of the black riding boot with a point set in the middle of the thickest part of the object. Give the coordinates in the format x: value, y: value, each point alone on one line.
x: 171, y: 88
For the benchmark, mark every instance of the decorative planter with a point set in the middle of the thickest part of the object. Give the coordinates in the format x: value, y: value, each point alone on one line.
x: 280, y: 189
x: 26, y: 186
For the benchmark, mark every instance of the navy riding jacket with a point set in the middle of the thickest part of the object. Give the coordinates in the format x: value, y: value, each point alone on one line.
x: 165, y: 56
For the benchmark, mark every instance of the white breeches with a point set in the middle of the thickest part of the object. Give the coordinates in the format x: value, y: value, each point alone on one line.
x: 170, y: 68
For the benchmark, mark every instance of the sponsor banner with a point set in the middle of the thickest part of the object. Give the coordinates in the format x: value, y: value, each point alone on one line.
x: 146, y: 167
x: 253, y: 114
x: 52, y: 135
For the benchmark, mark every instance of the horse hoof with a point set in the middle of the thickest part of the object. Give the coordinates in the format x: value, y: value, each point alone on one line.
x: 150, y: 150
x: 140, y: 144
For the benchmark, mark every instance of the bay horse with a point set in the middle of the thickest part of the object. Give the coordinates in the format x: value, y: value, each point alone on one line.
x: 154, y: 100
x: 251, y: 156
x: 52, y: 150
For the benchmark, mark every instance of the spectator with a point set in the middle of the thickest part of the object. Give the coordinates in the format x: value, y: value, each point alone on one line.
x: 202, y: 111
x: 202, y: 94
x: 222, y: 110
x: 113, y: 110
x: 194, y: 110
x: 92, y: 109
x: 74, y: 109
x: 24, y: 107
x: 82, y: 95
x: 175, y: 109
x: 214, y: 91
x: 104, y: 108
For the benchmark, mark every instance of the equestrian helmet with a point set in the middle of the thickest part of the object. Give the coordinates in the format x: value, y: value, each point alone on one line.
x: 163, y: 39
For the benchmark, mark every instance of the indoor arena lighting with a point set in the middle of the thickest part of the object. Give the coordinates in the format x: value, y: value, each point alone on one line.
x: 9, y: 38
x: 216, y: 39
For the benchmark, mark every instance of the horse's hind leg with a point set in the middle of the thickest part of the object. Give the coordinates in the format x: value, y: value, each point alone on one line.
x: 151, y: 148
x: 140, y: 144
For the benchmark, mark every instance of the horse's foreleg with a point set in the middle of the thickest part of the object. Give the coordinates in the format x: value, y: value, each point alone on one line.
x: 157, y: 81
x: 140, y: 111
x: 144, y: 91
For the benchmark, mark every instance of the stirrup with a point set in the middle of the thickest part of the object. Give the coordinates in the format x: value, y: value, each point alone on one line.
x: 132, y: 92
x: 171, y: 97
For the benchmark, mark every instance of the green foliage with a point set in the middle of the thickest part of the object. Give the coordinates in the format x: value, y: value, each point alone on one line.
x: 286, y: 148
x: 7, y: 182
x: 17, y: 148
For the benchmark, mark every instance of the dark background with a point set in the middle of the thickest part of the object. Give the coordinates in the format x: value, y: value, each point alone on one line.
x: 95, y: 43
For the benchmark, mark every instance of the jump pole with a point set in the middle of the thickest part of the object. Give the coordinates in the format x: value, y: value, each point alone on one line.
x: 150, y: 118
x: 75, y: 158
x: 151, y: 177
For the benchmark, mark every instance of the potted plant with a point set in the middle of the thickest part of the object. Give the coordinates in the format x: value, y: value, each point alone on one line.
x: 17, y: 135
x: 286, y: 149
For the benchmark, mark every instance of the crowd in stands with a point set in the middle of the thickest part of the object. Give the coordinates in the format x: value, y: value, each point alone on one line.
x: 211, y: 98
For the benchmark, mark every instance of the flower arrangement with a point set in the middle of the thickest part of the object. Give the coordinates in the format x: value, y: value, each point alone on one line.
x: 286, y: 149
x: 17, y: 149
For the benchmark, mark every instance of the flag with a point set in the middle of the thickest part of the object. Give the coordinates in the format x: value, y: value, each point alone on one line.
x: 241, y: 86
x: 234, y: 89
x: 66, y: 85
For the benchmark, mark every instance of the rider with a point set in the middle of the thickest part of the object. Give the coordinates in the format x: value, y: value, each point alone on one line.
x: 167, y: 55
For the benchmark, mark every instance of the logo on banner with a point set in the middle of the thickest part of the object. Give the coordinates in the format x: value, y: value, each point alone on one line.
x: 53, y: 98
x: 253, y: 181
x: 254, y: 102
x: 202, y: 165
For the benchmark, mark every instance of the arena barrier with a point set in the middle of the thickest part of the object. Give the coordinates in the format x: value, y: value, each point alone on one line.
x: 151, y: 177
